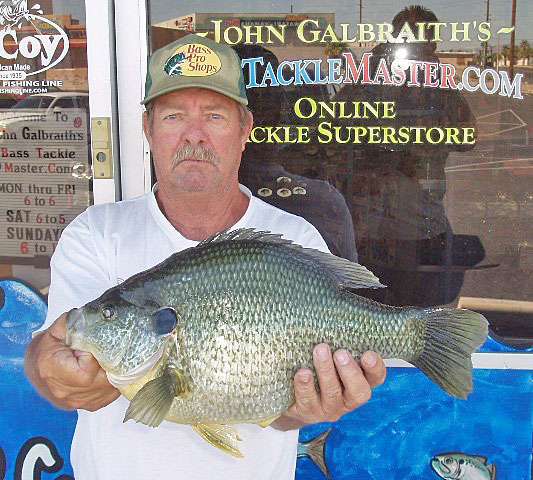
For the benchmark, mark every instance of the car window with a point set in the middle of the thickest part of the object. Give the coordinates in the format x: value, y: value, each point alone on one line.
x: 66, y: 102
x: 34, y: 101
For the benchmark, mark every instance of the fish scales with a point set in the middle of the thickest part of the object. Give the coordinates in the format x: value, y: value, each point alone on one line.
x: 227, y: 324
x: 231, y: 346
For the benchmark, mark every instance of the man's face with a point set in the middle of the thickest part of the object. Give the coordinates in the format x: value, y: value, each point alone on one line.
x: 197, y: 139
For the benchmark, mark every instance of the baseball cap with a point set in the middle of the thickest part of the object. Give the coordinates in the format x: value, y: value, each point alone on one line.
x: 195, y: 61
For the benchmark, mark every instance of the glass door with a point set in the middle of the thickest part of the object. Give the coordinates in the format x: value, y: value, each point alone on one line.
x: 58, y: 156
x: 56, y: 128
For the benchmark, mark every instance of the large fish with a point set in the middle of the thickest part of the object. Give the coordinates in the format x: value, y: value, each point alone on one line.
x: 213, y: 335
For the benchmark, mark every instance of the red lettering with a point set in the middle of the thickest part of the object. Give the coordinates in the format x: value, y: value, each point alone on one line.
x: 447, y: 72
x: 430, y: 73
x: 382, y: 72
x: 352, y: 69
x: 413, y: 73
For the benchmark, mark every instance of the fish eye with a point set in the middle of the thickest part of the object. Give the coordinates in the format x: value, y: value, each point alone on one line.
x: 448, y: 461
x: 164, y: 320
x: 2, y: 298
x: 108, y: 312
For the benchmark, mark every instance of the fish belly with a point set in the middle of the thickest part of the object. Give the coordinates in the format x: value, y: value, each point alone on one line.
x: 246, y: 347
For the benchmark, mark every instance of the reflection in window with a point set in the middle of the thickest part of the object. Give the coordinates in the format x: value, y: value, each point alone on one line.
x: 449, y: 223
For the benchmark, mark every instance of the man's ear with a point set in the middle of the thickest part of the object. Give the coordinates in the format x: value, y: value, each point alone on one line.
x: 146, y: 128
x: 246, y: 129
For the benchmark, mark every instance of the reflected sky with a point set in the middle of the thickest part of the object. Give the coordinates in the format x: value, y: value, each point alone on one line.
x: 374, y: 11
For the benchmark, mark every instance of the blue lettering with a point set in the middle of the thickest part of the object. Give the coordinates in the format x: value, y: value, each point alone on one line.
x: 334, y: 67
x: 252, y: 63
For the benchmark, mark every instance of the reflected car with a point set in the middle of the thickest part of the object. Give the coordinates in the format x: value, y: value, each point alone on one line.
x: 54, y: 101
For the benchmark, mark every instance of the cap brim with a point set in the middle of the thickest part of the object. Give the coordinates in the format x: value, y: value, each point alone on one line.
x: 149, y: 98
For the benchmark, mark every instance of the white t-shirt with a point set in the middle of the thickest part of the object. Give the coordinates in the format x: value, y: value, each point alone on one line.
x: 104, y: 246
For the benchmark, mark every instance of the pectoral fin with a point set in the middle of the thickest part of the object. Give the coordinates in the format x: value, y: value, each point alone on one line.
x: 223, y: 437
x: 153, y: 401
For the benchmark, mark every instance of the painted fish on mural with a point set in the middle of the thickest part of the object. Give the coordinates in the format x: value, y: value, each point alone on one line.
x: 314, y: 449
x: 453, y: 466
x: 213, y: 335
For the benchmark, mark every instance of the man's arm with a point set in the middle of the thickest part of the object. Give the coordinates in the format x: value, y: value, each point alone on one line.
x: 344, y: 386
x: 66, y: 378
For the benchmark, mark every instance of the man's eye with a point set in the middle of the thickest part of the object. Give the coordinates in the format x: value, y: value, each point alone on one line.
x: 172, y: 116
x: 216, y: 116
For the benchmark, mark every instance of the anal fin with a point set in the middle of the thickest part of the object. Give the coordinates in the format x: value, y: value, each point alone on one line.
x: 268, y: 421
x: 223, y: 437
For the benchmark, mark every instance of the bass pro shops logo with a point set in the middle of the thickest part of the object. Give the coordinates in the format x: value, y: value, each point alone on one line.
x: 193, y: 60
x: 34, y: 43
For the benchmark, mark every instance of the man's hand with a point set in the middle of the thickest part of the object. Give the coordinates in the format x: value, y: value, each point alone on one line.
x: 336, y: 397
x: 67, y: 379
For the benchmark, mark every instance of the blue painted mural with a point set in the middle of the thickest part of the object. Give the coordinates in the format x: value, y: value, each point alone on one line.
x: 409, y: 430
x: 409, y: 421
x: 35, y: 437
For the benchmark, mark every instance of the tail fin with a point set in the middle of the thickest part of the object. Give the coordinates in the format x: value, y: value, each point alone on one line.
x: 452, y: 335
x: 315, y: 450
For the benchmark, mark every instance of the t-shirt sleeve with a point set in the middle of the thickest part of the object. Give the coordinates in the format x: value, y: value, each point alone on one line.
x: 78, y: 272
x: 311, y: 238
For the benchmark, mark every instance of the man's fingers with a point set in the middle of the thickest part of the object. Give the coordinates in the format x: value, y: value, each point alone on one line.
x: 356, y: 388
x: 58, y: 329
x: 330, y: 387
x: 87, y: 364
x: 307, y: 402
x: 83, y: 398
x: 373, y: 368
x: 61, y: 363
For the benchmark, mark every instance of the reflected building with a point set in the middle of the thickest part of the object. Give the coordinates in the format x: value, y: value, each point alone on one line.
x: 232, y: 27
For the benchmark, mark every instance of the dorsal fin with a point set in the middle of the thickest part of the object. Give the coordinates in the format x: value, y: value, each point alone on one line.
x: 347, y: 274
x: 246, y: 234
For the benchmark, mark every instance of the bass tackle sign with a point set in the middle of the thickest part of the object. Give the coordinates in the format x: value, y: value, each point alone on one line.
x: 33, y: 42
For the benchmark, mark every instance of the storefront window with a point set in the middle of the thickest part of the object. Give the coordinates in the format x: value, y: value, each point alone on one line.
x: 402, y: 136
x: 45, y: 168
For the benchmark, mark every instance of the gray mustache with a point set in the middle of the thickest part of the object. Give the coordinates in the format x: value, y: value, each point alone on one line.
x: 202, y: 154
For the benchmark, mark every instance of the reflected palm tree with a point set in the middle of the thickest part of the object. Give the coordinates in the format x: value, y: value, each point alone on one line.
x: 335, y: 49
x: 506, y: 52
x: 524, y: 50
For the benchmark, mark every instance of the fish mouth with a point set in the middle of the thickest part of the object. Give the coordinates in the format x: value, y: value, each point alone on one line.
x: 74, y: 325
x: 438, y: 465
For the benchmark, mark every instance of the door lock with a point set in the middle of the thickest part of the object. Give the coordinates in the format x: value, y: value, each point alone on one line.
x: 101, y: 147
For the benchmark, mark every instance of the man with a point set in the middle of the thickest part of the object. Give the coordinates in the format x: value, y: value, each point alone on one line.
x: 197, y: 127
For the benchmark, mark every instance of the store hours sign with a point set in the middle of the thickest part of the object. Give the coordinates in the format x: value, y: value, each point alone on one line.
x: 44, y: 180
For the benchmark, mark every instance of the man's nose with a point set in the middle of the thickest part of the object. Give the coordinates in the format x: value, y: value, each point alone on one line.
x: 194, y: 131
